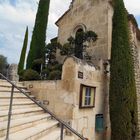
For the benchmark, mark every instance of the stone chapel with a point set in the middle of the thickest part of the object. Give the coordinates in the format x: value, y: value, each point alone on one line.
x: 96, y: 15
x: 81, y: 97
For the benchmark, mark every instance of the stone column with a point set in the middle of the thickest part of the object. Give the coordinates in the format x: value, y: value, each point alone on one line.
x: 12, y: 72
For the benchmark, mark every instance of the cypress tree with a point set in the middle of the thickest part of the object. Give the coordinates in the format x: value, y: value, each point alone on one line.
x: 37, y: 46
x: 23, y: 53
x: 123, y: 106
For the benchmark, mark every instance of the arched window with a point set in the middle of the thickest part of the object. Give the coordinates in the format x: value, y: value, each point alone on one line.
x: 79, y: 28
x: 79, y: 38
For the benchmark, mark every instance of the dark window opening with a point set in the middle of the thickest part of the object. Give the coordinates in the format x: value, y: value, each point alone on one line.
x: 99, y: 124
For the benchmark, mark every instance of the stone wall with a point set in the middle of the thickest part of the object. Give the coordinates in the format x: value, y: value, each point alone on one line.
x: 55, y: 98
x: 95, y: 15
x: 135, y: 44
x: 62, y: 97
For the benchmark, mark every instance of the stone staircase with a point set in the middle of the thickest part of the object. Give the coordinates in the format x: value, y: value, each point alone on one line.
x: 28, y: 121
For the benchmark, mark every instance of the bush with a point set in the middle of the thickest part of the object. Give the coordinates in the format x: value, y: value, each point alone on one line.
x: 21, y: 75
x: 54, y: 75
x: 67, y: 49
x: 30, y: 75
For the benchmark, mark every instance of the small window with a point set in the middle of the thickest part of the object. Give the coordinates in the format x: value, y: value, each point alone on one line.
x: 87, y: 96
x: 99, y: 124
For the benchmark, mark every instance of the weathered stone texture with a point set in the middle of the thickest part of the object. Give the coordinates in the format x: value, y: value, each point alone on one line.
x: 92, y: 15
x: 12, y: 72
x: 63, y: 96
x: 135, y: 47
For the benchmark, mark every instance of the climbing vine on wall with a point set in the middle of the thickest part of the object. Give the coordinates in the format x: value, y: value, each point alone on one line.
x: 75, y: 46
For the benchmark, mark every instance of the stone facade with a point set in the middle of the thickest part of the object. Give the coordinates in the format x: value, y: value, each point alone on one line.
x: 135, y: 46
x: 94, y: 15
x: 63, y: 97
x: 97, y: 16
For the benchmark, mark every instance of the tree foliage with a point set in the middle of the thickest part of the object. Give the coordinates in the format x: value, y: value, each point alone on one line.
x: 123, y: 106
x: 29, y: 75
x: 3, y: 65
x: 37, y: 46
x: 53, y: 69
x: 51, y: 49
x: 75, y: 46
x: 67, y: 49
x: 53, y: 72
x: 79, y: 40
x: 23, y: 53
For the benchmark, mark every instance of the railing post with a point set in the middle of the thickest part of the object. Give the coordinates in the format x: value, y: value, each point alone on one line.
x: 62, y: 131
x: 10, y: 113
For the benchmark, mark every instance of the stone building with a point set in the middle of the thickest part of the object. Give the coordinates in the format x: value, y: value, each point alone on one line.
x: 94, y: 15
x: 81, y: 97
x: 135, y: 44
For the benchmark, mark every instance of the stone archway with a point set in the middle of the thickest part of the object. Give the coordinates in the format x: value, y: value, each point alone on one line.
x: 78, y: 34
x: 79, y: 27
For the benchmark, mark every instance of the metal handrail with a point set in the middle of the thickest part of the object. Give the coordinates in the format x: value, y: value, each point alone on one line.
x: 63, y: 124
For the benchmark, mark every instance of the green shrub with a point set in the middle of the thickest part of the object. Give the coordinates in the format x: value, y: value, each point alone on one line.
x: 54, y: 75
x: 21, y: 75
x: 67, y: 49
x: 30, y: 75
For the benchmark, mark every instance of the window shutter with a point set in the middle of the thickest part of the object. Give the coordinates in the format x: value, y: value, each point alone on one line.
x: 92, y: 97
x: 99, y: 125
x: 83, y: 97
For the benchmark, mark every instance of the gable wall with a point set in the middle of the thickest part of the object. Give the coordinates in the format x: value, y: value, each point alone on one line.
x: 96, y: 15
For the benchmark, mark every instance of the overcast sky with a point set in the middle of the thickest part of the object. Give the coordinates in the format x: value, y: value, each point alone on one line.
x: 15, y: 15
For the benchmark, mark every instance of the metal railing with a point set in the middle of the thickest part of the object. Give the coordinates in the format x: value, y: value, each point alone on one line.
x: 61, y: 122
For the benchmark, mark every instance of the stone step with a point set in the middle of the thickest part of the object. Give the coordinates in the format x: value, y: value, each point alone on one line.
x: 23, y: 123
x: 53, y: 135
x: 28, y: 121
x: 29, y: 102
x: 8, y: 85
x: 7, y: 89
x: 70, y: 138
x: 15, y: 92
x: 2, y: 108
x: 17, y: 113
x: 16, y: 95
x: 4, y: 82
x: 20, y: 111
x: 33, y: 133
x: 14, y: 100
